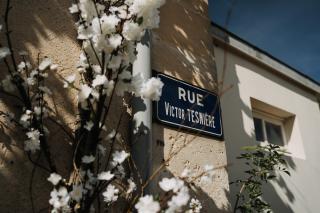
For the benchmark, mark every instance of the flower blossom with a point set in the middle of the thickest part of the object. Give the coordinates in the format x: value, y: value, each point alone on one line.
x: 76, y: 193
x: 33, y: 144
x: 99, y: 80
x: 146, y: 204
x: 87, y: 159
x: 152, y: 89
x: 59, y: 198
x: 45, y: 63
x: 132, y: 186
x: 181, y: 196
x: 54, y: 178
x: 4, y: 52
x: 88, y: 126
x: 119, y: 157
x: 111, y: 194
x: 74, y: 8
x: 105, y: 176
x: 195, y: 206
x: 84, y: 92
x: 69, y: 80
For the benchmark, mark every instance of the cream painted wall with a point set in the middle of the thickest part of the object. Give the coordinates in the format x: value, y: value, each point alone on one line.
x: 299, y: 192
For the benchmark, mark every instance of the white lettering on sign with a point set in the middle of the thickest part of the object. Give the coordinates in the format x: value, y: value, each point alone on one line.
x: 189, y: 96
x: 190, y: 115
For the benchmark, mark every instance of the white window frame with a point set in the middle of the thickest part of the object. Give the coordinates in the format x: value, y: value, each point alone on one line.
x: 271, y: 119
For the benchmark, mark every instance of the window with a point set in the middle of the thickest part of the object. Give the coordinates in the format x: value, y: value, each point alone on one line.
x: 277, y: 126
x: 268, y: 130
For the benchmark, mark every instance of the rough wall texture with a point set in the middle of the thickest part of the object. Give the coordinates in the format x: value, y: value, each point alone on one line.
x: 45, y: 28
x: 182, y: 48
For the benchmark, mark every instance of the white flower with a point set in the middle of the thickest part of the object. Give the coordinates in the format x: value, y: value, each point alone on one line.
x: 23, y: 66
x: 115, y: 41
x: 119, y: 157
x: 108, y: 88
x: 99, y: 80
x: 45, y: 63
x: 179, y: 200
x: 168, y: 184
x: 24, y: 120
x: 88, y: 10
x: 60, y: 198
x: 89, y: 125
x: 132, y: 186
x: 132, y: 31
x: 125, y: 75
x: 84, y: 93
x: 84, y: 33
x: 108, y: 23
x: 33, y: 144
x: 152, y: 89
x: 76, y: 193
x: 96, y: 68
x: 31, y: 81
x: 54, y: 178
x: 83, y: 61
x: 111, y: 194
x: 146, y: 204
x: 7, y: 84
x: 121, y: 11
x: 148, y: 10
x: 74, y: 8
x: 100, y: 8
x: 115, y: 62
x: 33, y: 135
x: 4, y: 52
x: 87, y: 159
x: 105, y: 176
x: 69, y: 80
x: 195, y: 206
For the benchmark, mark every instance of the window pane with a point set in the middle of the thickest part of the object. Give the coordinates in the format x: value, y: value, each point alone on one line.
x: 258, y: 129
x: 274, y: 134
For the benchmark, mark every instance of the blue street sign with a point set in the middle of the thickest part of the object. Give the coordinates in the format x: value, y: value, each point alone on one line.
x: 186, y: 106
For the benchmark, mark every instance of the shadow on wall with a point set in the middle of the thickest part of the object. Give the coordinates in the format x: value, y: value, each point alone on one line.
x: 45, y: 28
x: 182, y: 45
x: 151, y: 163
x: 182, y: 48
x: 235, y: 113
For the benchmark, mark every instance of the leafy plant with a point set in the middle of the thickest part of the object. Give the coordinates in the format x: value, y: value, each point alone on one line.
x: 264, y: 162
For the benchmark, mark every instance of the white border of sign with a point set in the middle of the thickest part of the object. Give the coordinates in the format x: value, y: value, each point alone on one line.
x: 187, y: 127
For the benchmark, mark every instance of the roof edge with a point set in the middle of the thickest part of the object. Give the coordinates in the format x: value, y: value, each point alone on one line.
x: 264, y: 57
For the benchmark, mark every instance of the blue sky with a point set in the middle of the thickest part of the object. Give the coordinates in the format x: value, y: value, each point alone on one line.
x: 287, y: 29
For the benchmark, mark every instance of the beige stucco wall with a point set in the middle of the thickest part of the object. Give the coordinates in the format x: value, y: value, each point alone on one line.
x: 46, y: 28
x: 299, y: 192
x: 182, y: 48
